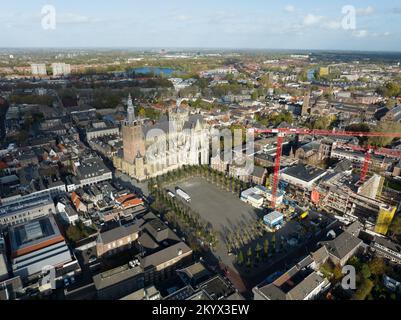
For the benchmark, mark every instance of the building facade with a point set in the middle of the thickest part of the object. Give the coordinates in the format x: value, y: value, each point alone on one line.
x: 152, y: 150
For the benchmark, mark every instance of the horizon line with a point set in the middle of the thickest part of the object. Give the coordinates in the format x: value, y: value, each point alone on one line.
x: 192, y: 48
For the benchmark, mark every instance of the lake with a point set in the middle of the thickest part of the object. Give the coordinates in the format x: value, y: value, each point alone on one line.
x: 168, y: 72
x: 311, y: 74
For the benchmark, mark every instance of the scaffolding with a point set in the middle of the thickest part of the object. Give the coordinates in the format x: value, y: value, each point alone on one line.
x: 384, y: 220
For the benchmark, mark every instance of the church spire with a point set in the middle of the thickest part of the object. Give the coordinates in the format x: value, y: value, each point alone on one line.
x: 130, y: 110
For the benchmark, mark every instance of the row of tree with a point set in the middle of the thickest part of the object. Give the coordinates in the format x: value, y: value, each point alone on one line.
x: 186, y: 219
x: 274, y: 118
x: 221, y: 179
x: 369, y: 277
x: 242, y: 236
x: 257, y: 254
x: 31, y: 99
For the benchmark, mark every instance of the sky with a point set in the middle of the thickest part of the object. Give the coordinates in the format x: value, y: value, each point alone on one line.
x: 259, y: 24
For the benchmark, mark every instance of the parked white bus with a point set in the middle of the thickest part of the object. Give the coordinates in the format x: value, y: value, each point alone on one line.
x: 181, y: 193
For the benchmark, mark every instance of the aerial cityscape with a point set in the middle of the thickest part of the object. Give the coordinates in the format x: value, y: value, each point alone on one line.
x: 210, y: 157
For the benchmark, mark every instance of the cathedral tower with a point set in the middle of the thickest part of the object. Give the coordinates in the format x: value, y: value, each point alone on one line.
x: 133, y: 139
x: 305, y: 105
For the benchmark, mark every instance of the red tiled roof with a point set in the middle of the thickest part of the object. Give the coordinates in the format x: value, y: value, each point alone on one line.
x: 129, y: 200
x: 125, y: 197
x: 132, y: 203
x: 38, y: 246
x: 75, y: 200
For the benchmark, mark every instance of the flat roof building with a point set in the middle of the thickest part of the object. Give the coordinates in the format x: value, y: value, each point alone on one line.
x: 122, y: 281
x: 302, y: 176
x: 387, y: 249
x: 273, y: 219
x: 25, y: 209
x: 61, y: 68
x: 119, y: 282
x: 148, y: 293
x: 35, y: 245
x: 298, y: 283
x: 38, y: 69
x: 257, y: 195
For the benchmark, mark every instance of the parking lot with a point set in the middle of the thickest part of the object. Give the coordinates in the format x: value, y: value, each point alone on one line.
x: 223, y: 209
x: 226, y: 212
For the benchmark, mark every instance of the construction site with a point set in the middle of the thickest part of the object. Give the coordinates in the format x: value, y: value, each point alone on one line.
x: 352, y: 190
x: 343, y: 194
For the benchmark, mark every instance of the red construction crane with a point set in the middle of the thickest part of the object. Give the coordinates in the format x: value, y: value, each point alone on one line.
x: 377, y: 150
x: 281, y: 132
x: 368, y: 155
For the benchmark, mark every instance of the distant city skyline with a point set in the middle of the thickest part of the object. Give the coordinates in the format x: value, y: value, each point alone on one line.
x: 235, y: 24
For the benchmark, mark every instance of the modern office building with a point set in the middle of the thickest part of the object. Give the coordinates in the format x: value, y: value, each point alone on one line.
x: 61, y: 69
x: 35, y: 245
x: 38, y: 69
x: 25, y: 209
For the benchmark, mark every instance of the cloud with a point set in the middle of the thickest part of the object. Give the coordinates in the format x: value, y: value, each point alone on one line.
x: 289, y: 8
x: 366, y: 33
x: 381, y: 34
x: 396, y: 10
x: 365, y: 11
x: 222, y: 17
x: 360, y: 33
x: 182, y: 18
x: 332, y: 24
x: 311, y: 19
x: 73, y: 18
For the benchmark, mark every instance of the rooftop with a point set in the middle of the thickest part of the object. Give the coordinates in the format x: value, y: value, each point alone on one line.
x: 272, y: 216
x: 388, y: 244
x: 118, y: 233
x: 165, y: 255
x: 305, y: 173
x: 34, y: 235
x: 295, y: 284
x: 116, y: 275
x: 342, y: 245
x: 92, y: 167
x: 216, y: 288
x: 25, y: 204
x: 194, y: 274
